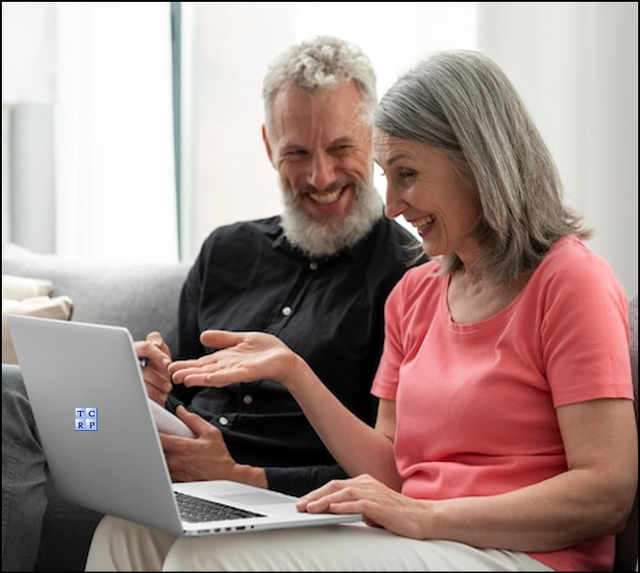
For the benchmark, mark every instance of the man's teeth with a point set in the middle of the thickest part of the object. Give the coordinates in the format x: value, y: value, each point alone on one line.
x: 420, y: 223
x: 326, y: 198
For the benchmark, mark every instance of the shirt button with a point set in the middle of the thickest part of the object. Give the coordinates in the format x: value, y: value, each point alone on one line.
x: 223, y: 420
x: 247, y: 399
x: 313, y: 266
x: 286, y: 311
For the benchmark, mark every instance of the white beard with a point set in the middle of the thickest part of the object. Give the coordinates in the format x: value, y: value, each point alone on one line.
x: 321, y: 238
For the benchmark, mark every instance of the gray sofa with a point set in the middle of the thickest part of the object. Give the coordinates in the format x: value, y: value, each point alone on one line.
x: 142, y: 297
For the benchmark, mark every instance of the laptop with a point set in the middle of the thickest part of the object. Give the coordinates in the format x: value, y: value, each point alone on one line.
x: 100, y: 437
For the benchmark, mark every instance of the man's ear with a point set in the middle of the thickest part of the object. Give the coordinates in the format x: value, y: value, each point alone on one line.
x: 267, y: 145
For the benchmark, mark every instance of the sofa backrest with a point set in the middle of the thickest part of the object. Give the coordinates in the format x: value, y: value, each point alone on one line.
x: 142, y: 297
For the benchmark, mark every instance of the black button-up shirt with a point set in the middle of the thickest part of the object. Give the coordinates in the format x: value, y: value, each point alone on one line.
x: 330, y: 311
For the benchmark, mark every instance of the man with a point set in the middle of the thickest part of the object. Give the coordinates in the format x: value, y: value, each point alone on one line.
x: 316, y: 276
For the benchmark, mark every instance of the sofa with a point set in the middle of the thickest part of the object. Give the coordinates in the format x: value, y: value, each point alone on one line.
x: 139, y: 296
x: 142, y: 297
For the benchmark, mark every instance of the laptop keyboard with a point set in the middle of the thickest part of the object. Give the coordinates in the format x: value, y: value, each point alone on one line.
x: 197, y: 510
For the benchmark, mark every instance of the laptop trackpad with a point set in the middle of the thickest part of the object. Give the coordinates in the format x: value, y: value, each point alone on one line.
x: 257, y: 498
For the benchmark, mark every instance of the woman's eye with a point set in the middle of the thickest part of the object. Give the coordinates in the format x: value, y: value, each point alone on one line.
x: 405, y: 175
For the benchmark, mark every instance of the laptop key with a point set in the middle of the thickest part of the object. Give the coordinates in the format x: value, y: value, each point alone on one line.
x: 196, y: 510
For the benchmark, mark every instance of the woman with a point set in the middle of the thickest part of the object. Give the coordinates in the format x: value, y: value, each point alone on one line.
x: 505, y: 436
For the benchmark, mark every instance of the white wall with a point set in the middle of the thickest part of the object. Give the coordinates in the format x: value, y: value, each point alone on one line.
x: 576, y: 66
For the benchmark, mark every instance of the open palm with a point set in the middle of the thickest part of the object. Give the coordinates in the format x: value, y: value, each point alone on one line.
x: 241, y: 357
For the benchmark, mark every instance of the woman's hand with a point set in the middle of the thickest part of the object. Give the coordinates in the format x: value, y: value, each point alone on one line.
x: 380, y: 505
x: 242, y: 357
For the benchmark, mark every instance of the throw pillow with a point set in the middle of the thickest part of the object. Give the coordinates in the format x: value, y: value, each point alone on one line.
x: 18, y: 288
x: 29, y: 297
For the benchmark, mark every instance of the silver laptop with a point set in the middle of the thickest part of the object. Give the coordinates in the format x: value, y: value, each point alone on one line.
x: 100, y: 438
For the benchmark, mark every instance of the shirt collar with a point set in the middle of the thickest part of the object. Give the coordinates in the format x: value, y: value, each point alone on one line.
x: 355, y: 252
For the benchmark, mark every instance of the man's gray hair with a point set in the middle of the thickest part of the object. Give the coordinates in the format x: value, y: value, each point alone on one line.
x: 461, y: 102
x: 321, y: 62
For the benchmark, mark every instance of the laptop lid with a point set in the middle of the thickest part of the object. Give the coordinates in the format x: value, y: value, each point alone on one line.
x: 98, y: 432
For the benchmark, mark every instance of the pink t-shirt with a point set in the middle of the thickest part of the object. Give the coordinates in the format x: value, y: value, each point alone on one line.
x: 476, y: 402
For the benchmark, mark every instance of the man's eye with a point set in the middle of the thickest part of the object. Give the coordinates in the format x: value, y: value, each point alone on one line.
x: 340, y: 149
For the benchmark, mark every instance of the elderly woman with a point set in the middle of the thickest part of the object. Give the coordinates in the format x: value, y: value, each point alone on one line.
x: 505, y: 437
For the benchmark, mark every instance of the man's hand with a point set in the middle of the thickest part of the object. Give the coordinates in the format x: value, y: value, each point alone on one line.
x: 205, y: 457
x: 155, y: 356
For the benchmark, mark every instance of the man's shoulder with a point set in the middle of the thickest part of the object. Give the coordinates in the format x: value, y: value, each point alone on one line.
x: 263, y: 226
x: 402, y: 233
x: 400, y: 242
x: 239, y: 239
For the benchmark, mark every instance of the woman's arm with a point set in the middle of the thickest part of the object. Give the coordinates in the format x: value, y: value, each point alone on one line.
x: 591, y: 499
x: 249, y: 356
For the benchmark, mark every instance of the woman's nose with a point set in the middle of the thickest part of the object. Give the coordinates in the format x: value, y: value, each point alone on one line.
x: 394, y: 203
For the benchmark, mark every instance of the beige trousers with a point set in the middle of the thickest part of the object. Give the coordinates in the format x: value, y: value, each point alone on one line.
x: 120, y: 545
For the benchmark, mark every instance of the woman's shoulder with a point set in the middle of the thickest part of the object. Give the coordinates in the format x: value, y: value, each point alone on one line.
x: 418, y: 281
x: 572, y: 258
x: 424, y: 272
x: 574, y: 272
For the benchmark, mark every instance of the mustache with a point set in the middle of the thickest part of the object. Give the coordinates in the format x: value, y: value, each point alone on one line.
x: 306, y: 189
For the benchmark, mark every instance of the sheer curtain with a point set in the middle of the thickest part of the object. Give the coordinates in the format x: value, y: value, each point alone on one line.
x: 115, y: 187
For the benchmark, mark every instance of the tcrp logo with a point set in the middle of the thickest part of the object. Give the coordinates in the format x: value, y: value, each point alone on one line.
x: 86, y: 419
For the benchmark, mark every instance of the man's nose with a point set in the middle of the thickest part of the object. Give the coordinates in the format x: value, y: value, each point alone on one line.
x: 322, y: 172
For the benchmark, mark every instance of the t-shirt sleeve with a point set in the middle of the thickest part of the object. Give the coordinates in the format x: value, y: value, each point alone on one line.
x: 584, y: 332
x: 385, y: 382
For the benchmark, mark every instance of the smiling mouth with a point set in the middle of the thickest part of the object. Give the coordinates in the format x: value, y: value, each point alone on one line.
x: 423, y: 223
x: 325, y: 197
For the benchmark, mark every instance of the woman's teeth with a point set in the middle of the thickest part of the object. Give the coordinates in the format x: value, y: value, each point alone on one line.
x: 421, y: 223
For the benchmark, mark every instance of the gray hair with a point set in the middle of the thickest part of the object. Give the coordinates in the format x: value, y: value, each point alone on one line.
x: 461, y: 102
x: 321, y: 62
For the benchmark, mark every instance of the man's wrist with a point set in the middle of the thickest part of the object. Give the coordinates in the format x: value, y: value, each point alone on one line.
x: 251, y: 475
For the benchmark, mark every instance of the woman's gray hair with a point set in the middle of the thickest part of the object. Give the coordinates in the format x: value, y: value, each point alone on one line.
x: 461, y: 102
x: 321, y: 62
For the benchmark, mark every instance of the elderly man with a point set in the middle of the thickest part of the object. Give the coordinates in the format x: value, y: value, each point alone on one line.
x: 316, y: 276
